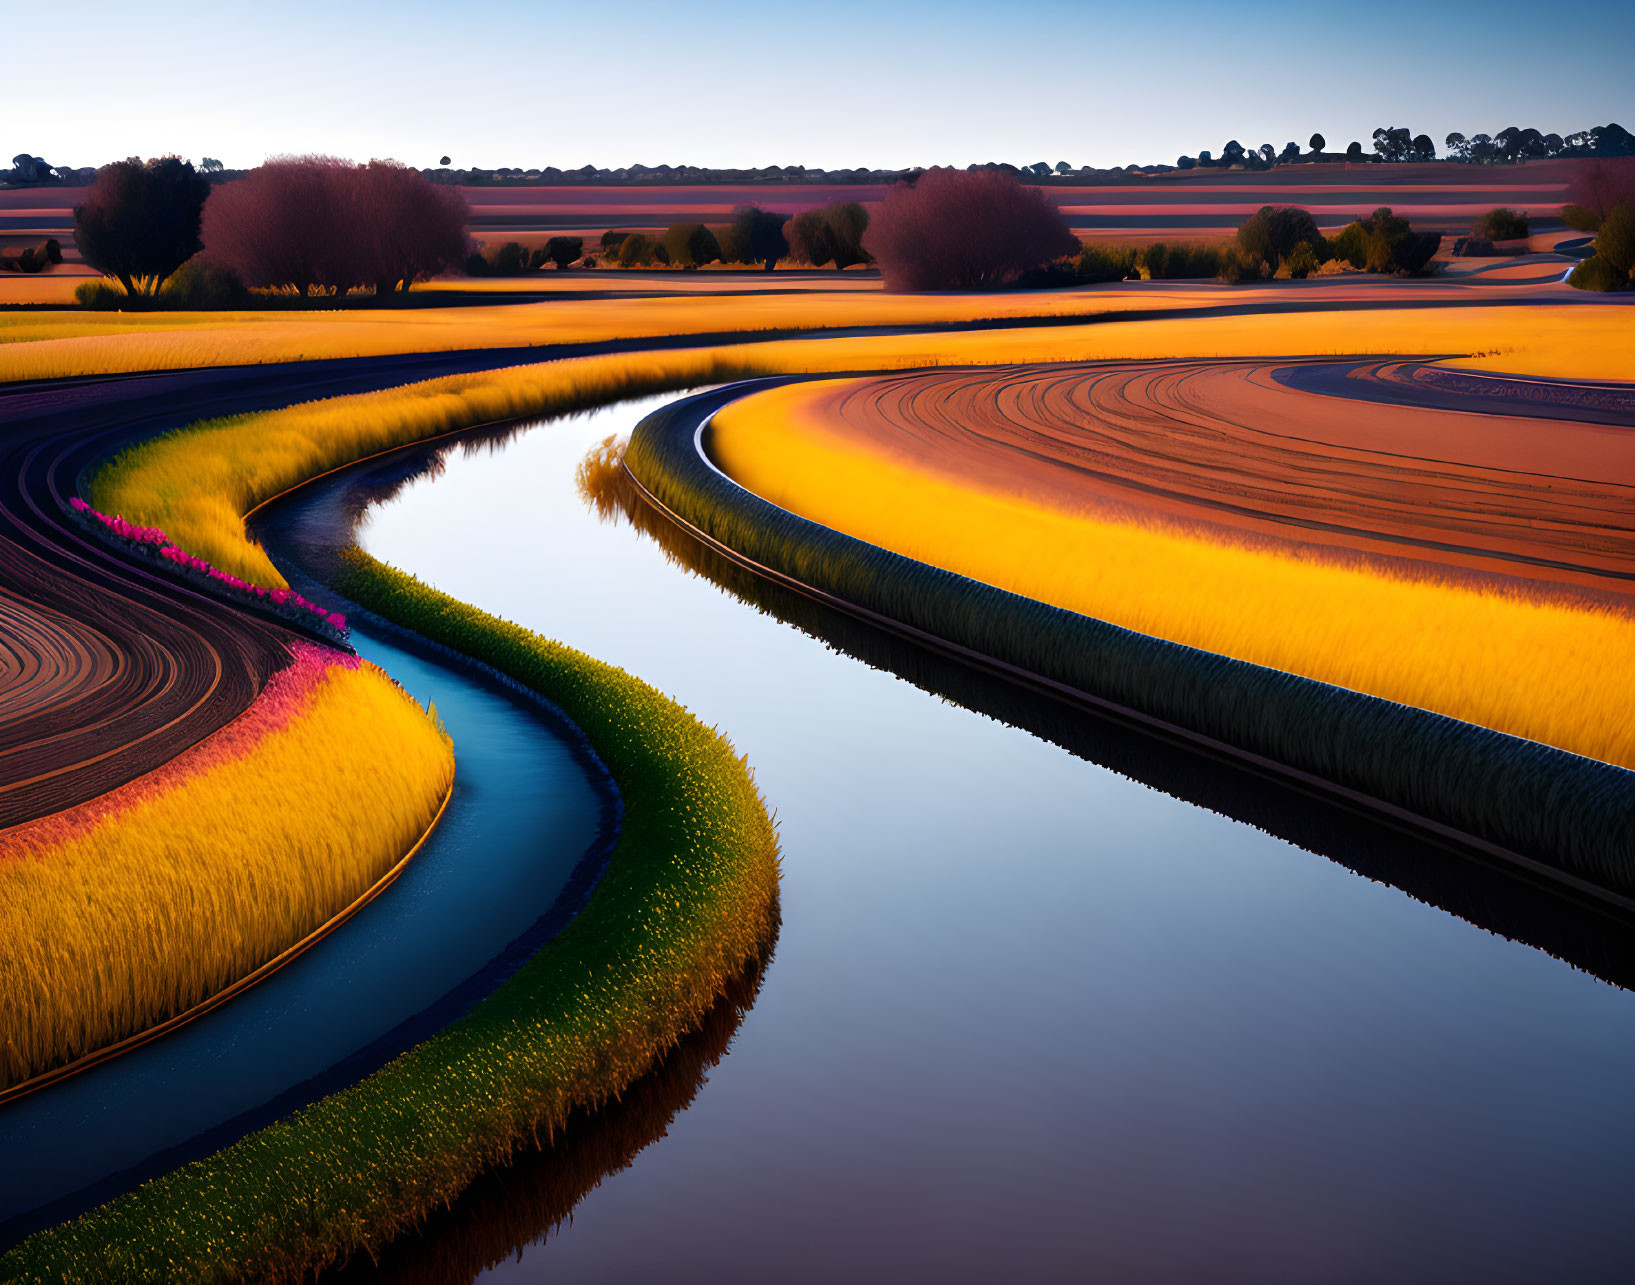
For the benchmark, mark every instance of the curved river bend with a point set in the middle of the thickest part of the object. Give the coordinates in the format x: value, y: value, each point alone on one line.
x: 524, y: 813
x: 1030, y: 1020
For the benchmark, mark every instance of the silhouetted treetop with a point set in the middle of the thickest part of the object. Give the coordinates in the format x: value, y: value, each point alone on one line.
x: 953, y: 229
x: 140, y: 222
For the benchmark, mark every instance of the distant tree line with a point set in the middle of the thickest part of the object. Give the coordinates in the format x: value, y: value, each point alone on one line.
x: 1396, y: 145
x: 831, y: 234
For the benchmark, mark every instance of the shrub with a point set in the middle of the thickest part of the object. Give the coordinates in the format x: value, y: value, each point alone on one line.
x: 831, y: 234
x: 635, y: 250
x: 140, y: 222
x: 1271, y: 233
x: 1104, y: 263
x: 508, y: 259
x: 1385, y: 243
x: 1050, y: 276
x: 1501, y: 224
x: 318, y: 223
x: 32, y: 258
x: 1596, y: 273
x: 691, y: 245
x: 1301, y: 261
x: 1580, y: 218
x: 199, y: 283
x: 963, y: 230
x: 757, y: 235
x: 1161, y: 262
x: 1615, y: 241
x: 1351, y: 244
x: 561, y: 251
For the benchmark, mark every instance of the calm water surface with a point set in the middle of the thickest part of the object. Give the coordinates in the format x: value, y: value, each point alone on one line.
x: 1028, y: 1020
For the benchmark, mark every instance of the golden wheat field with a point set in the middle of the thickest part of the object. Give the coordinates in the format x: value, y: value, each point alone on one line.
x: 134, y: 907
x: 1517, y: 665
x: 197, y: 485
x: 1581, y: 341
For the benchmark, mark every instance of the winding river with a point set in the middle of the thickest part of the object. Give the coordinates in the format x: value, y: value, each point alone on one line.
x: 526, y: 811
x: 1031, y: 1020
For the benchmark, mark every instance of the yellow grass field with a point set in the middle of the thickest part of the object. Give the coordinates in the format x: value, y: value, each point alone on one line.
x: 136, y: 906
x: 1571, y: 340
x: 198, y: 484
x: 1548, y: 672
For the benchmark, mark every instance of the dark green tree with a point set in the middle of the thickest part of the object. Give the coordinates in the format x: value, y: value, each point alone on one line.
x: 562, y: 251
x: 691, y: 245
x: 758, y: 234
x: 1318, y: 142
x: 830, y: 234
x: 140, y: 222
x: 1271, y: 234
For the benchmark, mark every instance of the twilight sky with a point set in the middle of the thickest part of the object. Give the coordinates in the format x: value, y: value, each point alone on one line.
x: 839, y: 83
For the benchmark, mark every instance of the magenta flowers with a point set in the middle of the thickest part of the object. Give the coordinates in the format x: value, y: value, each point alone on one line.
x: 286, y: 600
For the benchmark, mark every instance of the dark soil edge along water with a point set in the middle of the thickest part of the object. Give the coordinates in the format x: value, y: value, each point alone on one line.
x: 1554, y: 813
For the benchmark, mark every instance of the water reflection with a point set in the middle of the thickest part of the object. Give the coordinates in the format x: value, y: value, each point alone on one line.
x: 1585, y: 932
x: 522, y: 1203
x: 1031, y: 1021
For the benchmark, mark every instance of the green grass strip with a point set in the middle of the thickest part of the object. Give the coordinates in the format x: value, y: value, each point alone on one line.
x: 689, y: 898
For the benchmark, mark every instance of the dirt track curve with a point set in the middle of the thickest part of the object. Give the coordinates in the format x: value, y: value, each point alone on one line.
x: 108, y: 670
x: 1368, y: 456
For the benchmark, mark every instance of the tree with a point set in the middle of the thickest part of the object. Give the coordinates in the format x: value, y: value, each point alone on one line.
x: 1232, y: 153
x: 1354, y: 152
x: 1184, y: 162
x: 1393, y: 144
x: 1501, y: 224
x: 955, y: 230
x: 1385, y: 243
x: 1268, y: 153
x: 403, y: 227
x: 610, y: 242
x: 321, y: 223
x: 1615, y: 241
x: 1290, y: 152
x: 1601, y: 184
x: 1424, y: 148
x: 1271, y: 234
x: 210, y: 165
x: 833, y: 233
x: 1318, y: 142
x: 1301, y: 262
x: 636, y: 250
x: 444, y: 162
x: 691, y: 245
x: 140, y: 222
x: 1458, y: 147
x: 562, y: 251
x: 758, y: 234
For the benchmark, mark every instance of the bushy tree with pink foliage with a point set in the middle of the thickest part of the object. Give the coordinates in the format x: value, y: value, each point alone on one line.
x: 964, y: 230
x: 321, y: 223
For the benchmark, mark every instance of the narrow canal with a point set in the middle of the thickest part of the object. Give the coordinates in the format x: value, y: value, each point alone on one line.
x: 1031, y: 1020
x: 525, y: 812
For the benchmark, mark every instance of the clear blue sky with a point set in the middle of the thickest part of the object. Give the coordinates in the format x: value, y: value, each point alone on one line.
x: 848, y: 82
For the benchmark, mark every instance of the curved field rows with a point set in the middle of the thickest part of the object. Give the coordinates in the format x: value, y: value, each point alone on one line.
x: 1231, y: 447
